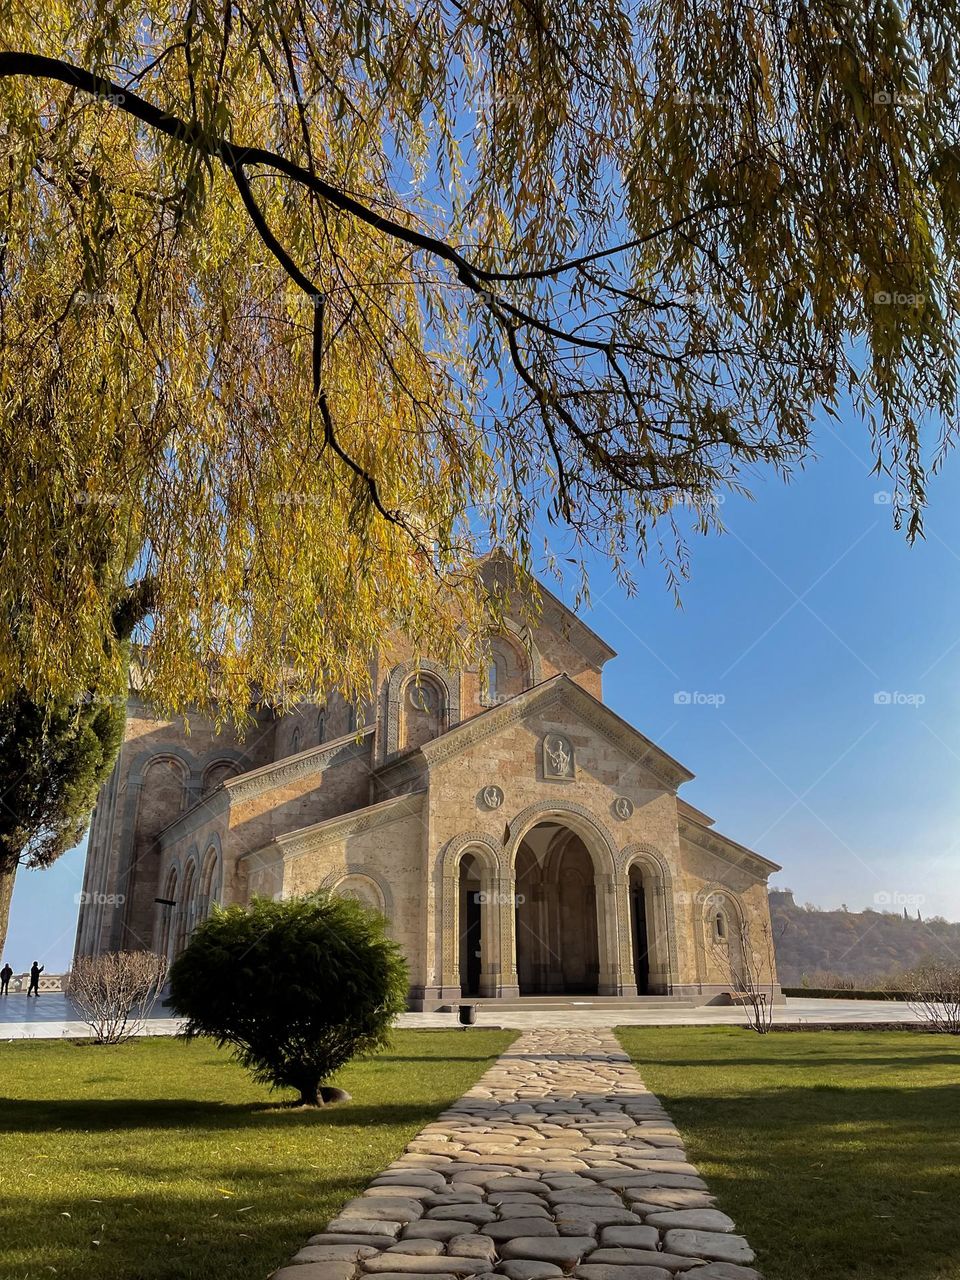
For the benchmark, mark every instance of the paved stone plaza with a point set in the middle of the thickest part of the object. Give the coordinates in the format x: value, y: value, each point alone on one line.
x: 53, y: 1017
x: 558, y: 1161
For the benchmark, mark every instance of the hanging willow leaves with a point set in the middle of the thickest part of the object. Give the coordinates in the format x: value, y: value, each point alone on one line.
x: 304, y: 305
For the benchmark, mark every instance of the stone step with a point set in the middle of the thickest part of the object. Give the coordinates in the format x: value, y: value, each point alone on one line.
x: 582, y: 1002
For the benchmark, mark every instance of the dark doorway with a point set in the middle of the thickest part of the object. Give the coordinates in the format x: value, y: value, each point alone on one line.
x: 471, y: 937
x: 641, y: 948
x: 470, y: 979
x: 556, y: 914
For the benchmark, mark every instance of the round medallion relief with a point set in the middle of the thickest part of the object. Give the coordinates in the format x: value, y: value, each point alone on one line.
x: 623, y: 807
x: 491, y: 797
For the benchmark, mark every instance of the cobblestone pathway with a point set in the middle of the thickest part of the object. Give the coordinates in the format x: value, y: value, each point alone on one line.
x: 558, y: 1161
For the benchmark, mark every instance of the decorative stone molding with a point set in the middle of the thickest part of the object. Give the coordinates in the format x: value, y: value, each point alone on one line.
x: 292, y: 768
x: 296, y: 843
x: 491, y: 797
x: 377, y: 887
x: 597, y: 838
x: 501, y: 578
x: 522, y: 641
x: 562, y: 691
x: 754, y: 865
x: 396, y: 682
x: 478, y: 842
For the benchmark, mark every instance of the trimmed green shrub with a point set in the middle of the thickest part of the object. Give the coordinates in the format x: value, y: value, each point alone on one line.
x: 296, y: 988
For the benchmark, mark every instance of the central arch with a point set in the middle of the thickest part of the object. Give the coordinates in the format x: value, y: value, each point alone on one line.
x: 557, y: 925
x: 566, y: 931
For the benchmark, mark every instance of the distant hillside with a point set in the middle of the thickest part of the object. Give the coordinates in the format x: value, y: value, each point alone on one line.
x: 854, y: 944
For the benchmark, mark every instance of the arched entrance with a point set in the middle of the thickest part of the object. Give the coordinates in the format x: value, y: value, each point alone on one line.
x: 468, y: 920
x: 472, y: 902
x: 648, y: 948
x: 557, y: 920
x: 639, y: 931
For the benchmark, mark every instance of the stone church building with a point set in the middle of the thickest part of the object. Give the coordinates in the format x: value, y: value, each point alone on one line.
x: 520, y: 837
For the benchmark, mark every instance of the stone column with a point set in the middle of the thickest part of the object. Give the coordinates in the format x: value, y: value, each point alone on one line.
x: 658, y: 934
x: 628, y: 976
x: 506, y: 984
x: 489, y: 935
x: 448, y: 943
x: 609, y: 983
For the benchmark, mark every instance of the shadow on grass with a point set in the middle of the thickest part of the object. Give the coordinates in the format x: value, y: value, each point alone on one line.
x: 19, y: 1115
x: 160, y: 1236
x: 835, y: 1182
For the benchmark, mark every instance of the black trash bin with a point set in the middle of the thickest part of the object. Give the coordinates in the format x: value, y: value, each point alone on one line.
x: 468, y: 1015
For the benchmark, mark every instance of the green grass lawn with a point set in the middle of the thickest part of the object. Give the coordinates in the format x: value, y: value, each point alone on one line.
x: 837, y: 1153
x: 160, y: 1158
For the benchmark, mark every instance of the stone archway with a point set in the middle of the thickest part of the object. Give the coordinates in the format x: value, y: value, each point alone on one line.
x: 565, y: 923
x: 556, y: 917
x: 648, y: 931
x: 469, y: 923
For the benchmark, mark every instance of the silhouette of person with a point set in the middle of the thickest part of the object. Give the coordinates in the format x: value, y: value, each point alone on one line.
x: 6, y: 973
x: 35, y: 972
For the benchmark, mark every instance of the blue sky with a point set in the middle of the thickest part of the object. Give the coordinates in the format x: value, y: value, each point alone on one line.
x: 809, y: 607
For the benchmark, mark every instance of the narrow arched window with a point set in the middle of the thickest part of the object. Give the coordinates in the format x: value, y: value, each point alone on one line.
x: 720, y: 925
x: 424, y: 710
x: 321, y: 724
x: 493, y: 682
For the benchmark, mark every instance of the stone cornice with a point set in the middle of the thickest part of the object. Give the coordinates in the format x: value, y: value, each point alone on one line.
x: 291, y: 768
x: 293, y: 844
x: 245, y: 786
x: 721, y: 846
x: 691, y: 812
x: 560, y: 691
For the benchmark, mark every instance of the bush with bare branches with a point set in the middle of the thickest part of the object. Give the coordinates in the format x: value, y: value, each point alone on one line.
x: 934, y: 995
x: 751, y: 969
x: 115, y: 992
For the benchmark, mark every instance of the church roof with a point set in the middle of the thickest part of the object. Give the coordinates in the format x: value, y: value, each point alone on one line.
x: 560, y: 690
x: 713, y: 841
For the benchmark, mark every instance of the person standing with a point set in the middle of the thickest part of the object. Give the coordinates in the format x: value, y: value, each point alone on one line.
x: 6, y: 973
x: 35, y: 972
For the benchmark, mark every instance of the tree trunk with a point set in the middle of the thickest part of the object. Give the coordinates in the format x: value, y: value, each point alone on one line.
x: 7, y: 879
x: 310, y: 1094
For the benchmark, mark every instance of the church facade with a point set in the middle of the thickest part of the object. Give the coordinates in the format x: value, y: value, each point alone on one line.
x: 520, y: 837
